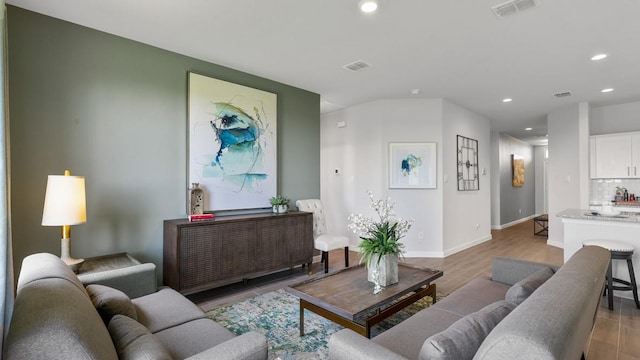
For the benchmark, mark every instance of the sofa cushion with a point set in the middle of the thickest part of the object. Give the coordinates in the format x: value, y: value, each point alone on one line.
x: 521, y: 290
x: 109, y: 302
x: 134, y: 341
x: 193, y: 337
x: 473, y: 296
x: 407, y: 338
x: 462, y: 339
x: 54, y: 319
x: 164, y: 309
x: 46, y: 266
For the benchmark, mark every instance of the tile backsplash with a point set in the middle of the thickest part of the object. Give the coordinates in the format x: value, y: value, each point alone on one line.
x: 605, y: 189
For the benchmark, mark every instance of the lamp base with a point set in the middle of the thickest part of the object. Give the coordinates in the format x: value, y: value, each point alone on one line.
x: 74, y: 264
x: 65, y: 255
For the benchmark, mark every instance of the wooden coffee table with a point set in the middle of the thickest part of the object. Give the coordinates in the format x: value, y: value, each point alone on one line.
x: 346, y: 297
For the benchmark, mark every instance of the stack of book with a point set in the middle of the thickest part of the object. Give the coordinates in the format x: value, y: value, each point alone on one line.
x: 201, y: 217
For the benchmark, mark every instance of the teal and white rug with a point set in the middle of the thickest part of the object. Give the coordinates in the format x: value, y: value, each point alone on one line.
x: 277, y: 315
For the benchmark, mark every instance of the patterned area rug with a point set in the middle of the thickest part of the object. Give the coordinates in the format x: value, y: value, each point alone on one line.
x: 277, y: 315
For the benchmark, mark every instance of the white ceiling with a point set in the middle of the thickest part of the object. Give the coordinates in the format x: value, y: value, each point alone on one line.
x: 458, y: 50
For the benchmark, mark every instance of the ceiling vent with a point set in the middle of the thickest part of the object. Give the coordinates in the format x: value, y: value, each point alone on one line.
x: 357, y: 66
x: 562, y: 94
x: 513, y: 7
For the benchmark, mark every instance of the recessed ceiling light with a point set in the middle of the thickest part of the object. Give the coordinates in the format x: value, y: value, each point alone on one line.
x: 528, y: 129
x: 506, y: 100
x: 415, y: 91
x: 368, y: 6
x: 606, y: 90
x: 598, y: 57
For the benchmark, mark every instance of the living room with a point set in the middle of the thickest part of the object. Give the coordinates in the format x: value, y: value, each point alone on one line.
x: 114, y: 110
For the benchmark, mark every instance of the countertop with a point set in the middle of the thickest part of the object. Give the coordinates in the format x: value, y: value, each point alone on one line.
x: 581, y: 214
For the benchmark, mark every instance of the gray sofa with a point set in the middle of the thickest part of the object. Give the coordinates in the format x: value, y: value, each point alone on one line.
x: 56, y: 317
x: 526, y: 310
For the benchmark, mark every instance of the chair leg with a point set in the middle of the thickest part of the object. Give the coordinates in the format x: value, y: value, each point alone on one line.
x: 634, y: 286
x: 325, y: 257
x: 346, y: 256
x: 610, y: 285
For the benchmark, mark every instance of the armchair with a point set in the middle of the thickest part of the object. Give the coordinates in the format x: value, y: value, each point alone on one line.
x: 323, y: 241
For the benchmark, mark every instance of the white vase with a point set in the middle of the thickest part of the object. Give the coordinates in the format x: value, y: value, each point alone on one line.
x: 387, y: 269
x: 280, y: 209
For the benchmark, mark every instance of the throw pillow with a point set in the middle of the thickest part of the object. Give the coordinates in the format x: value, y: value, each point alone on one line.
x: 463, y: 338
x: 109, y: 302
x: 134, y: 341
x: 521, y: 290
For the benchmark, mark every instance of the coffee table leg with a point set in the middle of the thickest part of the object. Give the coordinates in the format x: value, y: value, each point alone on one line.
x: 432, y: 288
x: 301, y: 318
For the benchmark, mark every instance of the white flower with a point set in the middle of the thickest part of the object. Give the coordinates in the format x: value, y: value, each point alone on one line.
x: 366, y: 227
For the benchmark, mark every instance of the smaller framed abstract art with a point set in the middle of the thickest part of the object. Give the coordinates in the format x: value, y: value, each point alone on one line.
x: 468, y: 177
x: 412, y: 165
x: 517, y: 162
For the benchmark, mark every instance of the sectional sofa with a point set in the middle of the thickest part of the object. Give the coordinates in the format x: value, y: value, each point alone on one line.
x: 526, y: 310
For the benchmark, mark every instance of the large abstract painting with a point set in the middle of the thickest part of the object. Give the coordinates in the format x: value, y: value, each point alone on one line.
x: 232, y: 143
x: 412, y: 165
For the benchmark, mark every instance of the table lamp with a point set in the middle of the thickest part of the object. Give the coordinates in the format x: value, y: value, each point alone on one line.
x: 65, y: 205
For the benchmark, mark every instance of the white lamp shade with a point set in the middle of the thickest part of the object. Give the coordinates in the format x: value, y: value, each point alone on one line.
x: 64, y: 201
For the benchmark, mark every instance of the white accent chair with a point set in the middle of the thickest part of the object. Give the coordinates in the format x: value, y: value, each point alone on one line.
x: 323, y: 241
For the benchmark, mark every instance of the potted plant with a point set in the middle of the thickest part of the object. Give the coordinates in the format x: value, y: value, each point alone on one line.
x: 279, y: 204
x: 380, y: 247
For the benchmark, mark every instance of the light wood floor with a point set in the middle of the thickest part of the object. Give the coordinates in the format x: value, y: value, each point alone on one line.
x: 616, y: 334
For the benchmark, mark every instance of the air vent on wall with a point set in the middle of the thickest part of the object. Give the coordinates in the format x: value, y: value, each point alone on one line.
x: 513, y: 7
x: 357, y: 66
x: 562, y: 94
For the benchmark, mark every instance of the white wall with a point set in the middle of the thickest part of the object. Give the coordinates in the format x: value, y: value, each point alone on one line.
x: 567, y: 128
x: 360, y: 151
x: 495, y: 184
x: 540, y: 160
x: 467, y: 214
x: 615, y: 118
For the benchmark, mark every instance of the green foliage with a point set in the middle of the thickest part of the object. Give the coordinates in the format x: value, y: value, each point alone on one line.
x: 382, y: 241
x: 279, y: 200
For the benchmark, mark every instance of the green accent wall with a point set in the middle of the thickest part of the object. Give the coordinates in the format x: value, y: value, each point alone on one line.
x: 115, y: 111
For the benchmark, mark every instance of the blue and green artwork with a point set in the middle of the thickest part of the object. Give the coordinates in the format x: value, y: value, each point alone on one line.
x: 232, y: 143
x: 409, y: 163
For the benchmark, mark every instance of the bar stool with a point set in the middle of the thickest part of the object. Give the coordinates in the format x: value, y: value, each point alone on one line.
x: 619, y: 251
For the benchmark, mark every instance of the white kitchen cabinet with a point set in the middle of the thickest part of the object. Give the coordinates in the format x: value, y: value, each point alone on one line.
x: 615, y: 156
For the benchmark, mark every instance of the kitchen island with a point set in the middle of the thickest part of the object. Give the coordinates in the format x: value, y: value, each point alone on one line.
x: 580, y: 225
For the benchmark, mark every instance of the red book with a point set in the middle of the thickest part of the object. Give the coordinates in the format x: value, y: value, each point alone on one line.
x: 201, y: 217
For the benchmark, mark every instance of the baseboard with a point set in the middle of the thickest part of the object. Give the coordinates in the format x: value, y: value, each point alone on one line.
x: 515, y: 222
x: 555, y: 244
x: 467, y: 245
x: 424, y: 254
x: 442, y: 254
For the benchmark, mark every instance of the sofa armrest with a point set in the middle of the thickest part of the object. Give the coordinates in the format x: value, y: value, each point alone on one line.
x: 348, y: 345
x: 135, y: 281
x: 509, y: 271
x: 248, y: 346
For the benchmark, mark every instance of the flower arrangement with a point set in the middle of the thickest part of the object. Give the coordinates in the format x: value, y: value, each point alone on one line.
x: 379, y: 237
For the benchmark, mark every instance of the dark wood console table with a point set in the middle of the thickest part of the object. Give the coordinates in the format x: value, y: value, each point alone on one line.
x: 206, y: 254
